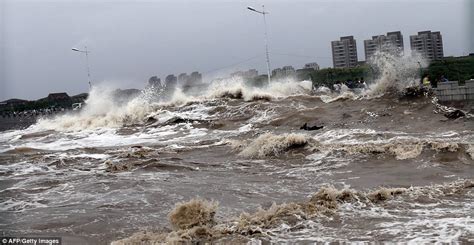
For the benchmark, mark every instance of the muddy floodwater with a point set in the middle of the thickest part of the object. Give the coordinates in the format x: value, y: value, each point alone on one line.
x: 383, y: 167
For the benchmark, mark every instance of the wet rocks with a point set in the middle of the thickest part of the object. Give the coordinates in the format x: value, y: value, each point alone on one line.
x: 310, y: 128
x: 455, y: 114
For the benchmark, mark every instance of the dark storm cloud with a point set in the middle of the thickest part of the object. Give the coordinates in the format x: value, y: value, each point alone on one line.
x: 133, y: 40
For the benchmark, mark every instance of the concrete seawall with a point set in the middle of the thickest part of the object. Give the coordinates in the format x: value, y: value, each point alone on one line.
x: 451, y: 91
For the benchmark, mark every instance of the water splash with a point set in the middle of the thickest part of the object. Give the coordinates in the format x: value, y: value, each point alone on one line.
x: 396, y: 72
x: 104, y: 108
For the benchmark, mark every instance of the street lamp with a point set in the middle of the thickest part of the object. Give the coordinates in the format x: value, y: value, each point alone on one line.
x: 85, y: 51
x: 266, y: 38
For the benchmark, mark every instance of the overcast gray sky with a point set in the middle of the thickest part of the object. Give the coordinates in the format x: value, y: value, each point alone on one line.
x: 133, y: 40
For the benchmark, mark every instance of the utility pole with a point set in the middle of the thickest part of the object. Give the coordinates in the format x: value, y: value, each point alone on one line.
x: 86, y: 52
x: 266, y: 37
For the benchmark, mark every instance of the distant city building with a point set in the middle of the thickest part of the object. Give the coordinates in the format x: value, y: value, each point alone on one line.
x: 183, y: 78
x: 189, y: 80
x: 277, y: 72
x: 154, y: 81
x: 312, y: 65
x: 288, y: 70
x: 237, y: 74
x: 195, y: 78
x: 252, y: 73
x: 392, y: 42
x: 285, y: 71
x: 428, y: 44
x: 171, y: 80
x: 344, y: 52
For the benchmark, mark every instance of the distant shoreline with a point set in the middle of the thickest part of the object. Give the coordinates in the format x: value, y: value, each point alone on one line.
x: 19, y: 123
x: 16, y: 123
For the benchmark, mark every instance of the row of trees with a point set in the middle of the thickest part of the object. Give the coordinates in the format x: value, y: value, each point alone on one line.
x: 453, y: 68
x: 327, y: 76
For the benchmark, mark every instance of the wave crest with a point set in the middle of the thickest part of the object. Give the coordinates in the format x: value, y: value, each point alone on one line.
x: 103, y: 109
x: 269, y: 144
x: 196, y: 212
x: 237, y: 88
x: 324, y: 202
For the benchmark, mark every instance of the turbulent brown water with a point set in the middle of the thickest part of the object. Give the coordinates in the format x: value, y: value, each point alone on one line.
x: 383, y: 168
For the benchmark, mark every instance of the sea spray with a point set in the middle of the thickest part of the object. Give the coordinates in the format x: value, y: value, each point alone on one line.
x: 103, y: 109
x: 238, y: 88
x: 396, y: 72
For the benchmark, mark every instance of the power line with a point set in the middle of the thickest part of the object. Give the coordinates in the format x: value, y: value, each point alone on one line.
x: 302, y: 56
x: 234, y: 64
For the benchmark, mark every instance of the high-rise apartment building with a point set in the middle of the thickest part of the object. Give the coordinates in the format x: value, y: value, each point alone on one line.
x: 392, y: 42
x: 428, y: 44
x: 344, y: 52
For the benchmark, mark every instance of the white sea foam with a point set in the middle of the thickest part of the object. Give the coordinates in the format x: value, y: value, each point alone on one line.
x: 102, y: 110
x: 397, y: 72
x: 394, y: 74
x: 237, y: 87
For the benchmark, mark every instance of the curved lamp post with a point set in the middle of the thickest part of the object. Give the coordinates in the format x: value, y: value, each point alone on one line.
x: 266, y: 37
x: 86, y: 52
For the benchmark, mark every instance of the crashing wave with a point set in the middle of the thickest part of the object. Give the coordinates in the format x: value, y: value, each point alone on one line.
x: 194, y: 221
x: 400, y: 149
x: 269, y: 145
x: 337, y: 97
x: 102, y: 109
x: 237, y: 88
x: 395, y: 74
